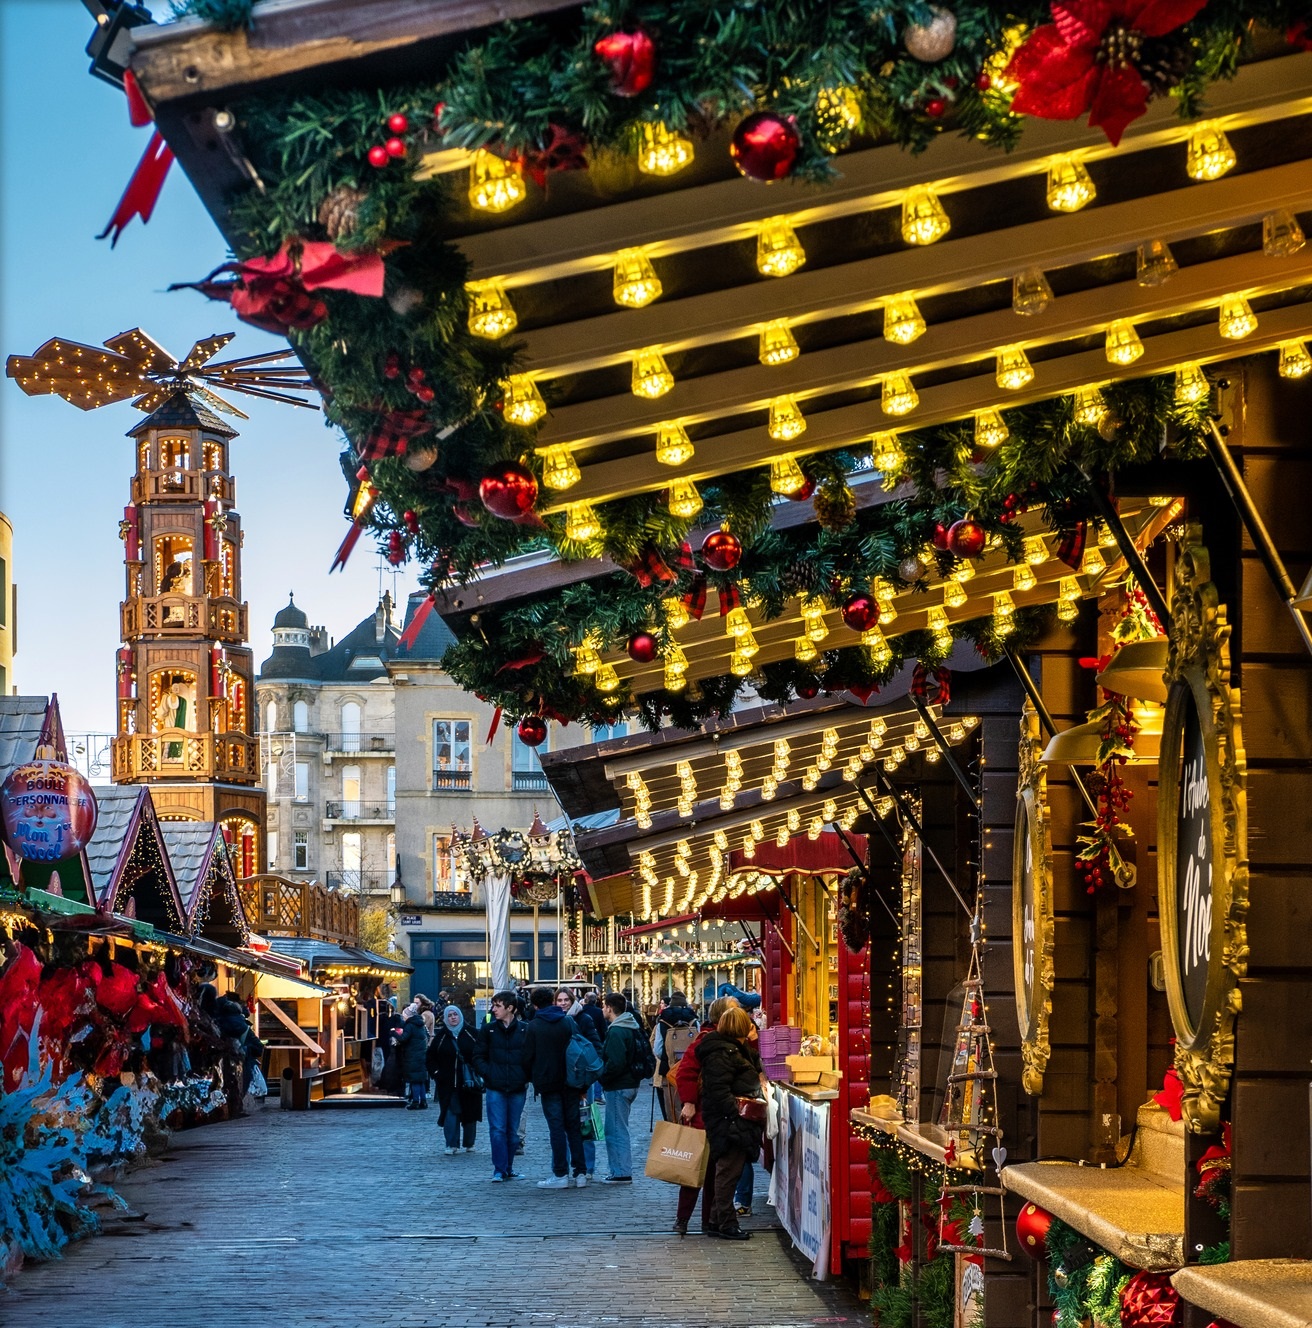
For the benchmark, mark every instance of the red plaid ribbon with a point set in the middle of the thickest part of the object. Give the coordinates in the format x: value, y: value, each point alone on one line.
x: 649, y: 567
x: 1071, y: 548
x: 685, y: 562
x: 391, y: 436
x: 931, y: 686
x: 729, y: 599
x: 695, y: 600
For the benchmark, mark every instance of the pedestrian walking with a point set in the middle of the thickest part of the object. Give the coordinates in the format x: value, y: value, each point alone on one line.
x: 499, y: 1060
x: 459, y: 1089
x: 625, y: 1054
x: 390, y: 1027
x: 677, y: 1021
x: 411, y: 1049
x: 688, y: 1087
x: 545, y: 1043
x: 734, y: 1111
x: 588, y: 1026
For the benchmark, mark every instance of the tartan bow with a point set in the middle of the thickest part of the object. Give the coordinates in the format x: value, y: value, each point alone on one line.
x: 649, y: 567
x: 1071, y: 548
x: 931, y: 686
x: 729, y: 599
x: 390, y: 437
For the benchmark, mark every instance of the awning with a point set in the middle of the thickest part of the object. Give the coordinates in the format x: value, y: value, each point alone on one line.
x: 328, y: 957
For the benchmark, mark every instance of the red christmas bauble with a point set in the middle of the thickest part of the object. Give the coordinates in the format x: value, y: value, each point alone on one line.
x: 722, y: 551
x: 940, y: 538
x: 807, y: 689
x: 411, y: 520
x: 764, y: 147
x: 398, y: 123
x: 47, y: 810
x: 983, y: 81
x: 395, y: 147
x: 860, y: 612
x: 396, y: 553
x: 467, y: 515
x: 642, y: 647
x: 1032, y: 1230
x: 508, y: 490
x: 1150, y: 1301
x: 425, y: 394
x: 935, y: 107
x: 804, y: 493
x: 631, y: 59
x: 966, y: 538
x: 378, y: 157
x: 532, y: 730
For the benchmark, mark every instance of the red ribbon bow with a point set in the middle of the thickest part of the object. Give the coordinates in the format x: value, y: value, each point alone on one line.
x: 931, y: 686
x: 649, y: 567
x: 563, y: 150
x: 391, y: 436
x: 729, y: 599
x: 1071, y: 548
x: 695, y: 600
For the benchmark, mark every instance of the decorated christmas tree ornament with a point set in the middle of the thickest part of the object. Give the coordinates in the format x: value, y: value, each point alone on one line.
x: 903, y: 321
x: 508, y: 490
x: 923, y: 217
x: 491, y: 314
x: 1154, y: 263
x: 990, y: 428
x: 835, y: 505
x: 786, y: 420
x: 940, y: 537
x: 786, y: 475
x: 933, y: 41
x: 559, y: 469
x: 421, y: 456
x: 966, y: 538
x: 631, y: 59
x: 1295, y: 362
x: 778, y: 250
x: 1031, y: 292
x: 1150, y: 1301
x: 495, y: 185
x: 1237, y: 319
x: 1013, y: 368
x: 860, y: 612
x: 467, y: 515
x: 1282, y: 236
x: 396, y: 553
x: 661, y: 151
x: 378, y: 157
x: 807, y: 688
x: 1191, y: 385
x: 778, y: 345
x: 581, y: 522
x: 1032, y: 1225
x: 643, y: 647
x: 1209, y: 155
x: 532, y: 731
x: 636, y: 284
x: 801, y: 495
x: 722, y: 551
x: 911, y: 569
x: 897, y: 395
x: 1070, y: 186
x: 523, y: 402
x: 651, y: 375
x: 673, y: 446
x: 339, y: 213
x: 764, y: 147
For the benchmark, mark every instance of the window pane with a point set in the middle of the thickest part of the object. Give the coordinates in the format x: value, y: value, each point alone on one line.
x: 302, y: 847
x: 271, y: 839
x: 302, y: 781
x: 301, y: 717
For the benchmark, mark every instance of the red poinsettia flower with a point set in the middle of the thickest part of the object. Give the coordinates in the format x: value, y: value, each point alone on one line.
x: 1085, y: 60
x: 1170, y: 1097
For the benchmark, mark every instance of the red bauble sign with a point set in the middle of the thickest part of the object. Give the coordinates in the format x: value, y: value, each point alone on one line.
x: 47, y: 811
x: 764, y: 146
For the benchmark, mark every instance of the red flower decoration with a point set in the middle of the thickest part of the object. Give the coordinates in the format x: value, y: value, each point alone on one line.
x: 1086, y: 60
x: 1170, y: 1096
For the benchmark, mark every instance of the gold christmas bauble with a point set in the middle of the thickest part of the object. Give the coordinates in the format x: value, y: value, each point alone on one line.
x: 933, y: 41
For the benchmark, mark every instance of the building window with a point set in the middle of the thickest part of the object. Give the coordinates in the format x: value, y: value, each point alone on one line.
x: 452, y: 761
x: 391, y: 790
x: 601, y: 732
x: 301, y: 850
x: 525, y: 768
x: 4, y: 594
x: 271, y: 839
x: 271, y: 778
x: 271, y: 717
x: 302, y: 781
x: 448, y: 869
x: 350, y: 727
x: 391, y: 858
x: 351, y: 861
x: 351, y: 792
x: 301, y: 717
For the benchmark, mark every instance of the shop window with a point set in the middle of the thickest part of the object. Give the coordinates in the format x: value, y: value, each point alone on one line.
x: 452, y: 758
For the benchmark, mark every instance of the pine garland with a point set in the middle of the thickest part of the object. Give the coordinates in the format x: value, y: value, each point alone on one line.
x: 1091, y: 1280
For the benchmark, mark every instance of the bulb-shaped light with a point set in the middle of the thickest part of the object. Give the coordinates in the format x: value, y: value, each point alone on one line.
x: 491, y: 314
x: 522, y: 402
x: 1023, y: 577
x: 990, y: 428
x: 661, y: 151
x: 636, y: 283
x: 559, y: 469
x: 1209, y: 155
x: 786, y: 420
x: 1122, y: 344
x: 1236, y: 319
x: 1154, y: 263
x: 786, y: 476
x: 684, y: 501
x: 1282, y: 236
x: 898, y: 395
x: 778, y: 345
x: 495, y: 185
x: 581, y: 522
x: 1031, y: 292
x: 651, y: 375
x: 1191, y: 385
x: 923, y: 217
x: 1090, y: 406
x: 1069, y: 186
x: 673, y: 446
x: 778, y: 250
x: 1013, y: 368
x: 903, y: 321
x: 1295, y: 362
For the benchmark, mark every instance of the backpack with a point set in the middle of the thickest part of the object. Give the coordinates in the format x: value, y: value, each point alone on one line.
x: 642, y: 1060
x: 583, y: 1063
x: 677, y: 1040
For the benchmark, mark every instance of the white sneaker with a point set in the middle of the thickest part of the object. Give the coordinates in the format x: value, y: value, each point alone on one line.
x: 554, y: 1183
x: 580, y: 1180
x: 451, y: 1152
x: 470, y: 1149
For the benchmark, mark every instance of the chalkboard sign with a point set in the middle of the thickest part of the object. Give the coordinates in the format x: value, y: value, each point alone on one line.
x: 1193, y: 866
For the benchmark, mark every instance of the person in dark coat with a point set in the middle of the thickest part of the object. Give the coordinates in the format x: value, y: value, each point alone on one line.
x: 591, y: 1012
x: 390, y: 1027
x: 731, y: 1070
x: 411, y: 1051
x: 687, y: 1077
x: 451, y: 1058
x: 499, y: 1060
x: 545, y: 1042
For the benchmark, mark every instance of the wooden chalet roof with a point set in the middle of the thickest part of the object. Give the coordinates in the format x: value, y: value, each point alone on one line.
x: 25, y: 721
x: 129, y: 860
x: 207, y: 883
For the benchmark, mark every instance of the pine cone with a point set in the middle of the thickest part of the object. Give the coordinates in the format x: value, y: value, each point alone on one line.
x: 835, y: 506
x: 1164, y: 61
x: 339, y: 213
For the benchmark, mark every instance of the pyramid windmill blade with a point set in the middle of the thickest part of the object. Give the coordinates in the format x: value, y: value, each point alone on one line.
x: 85, y: 376
x: 214, y: 401
x: 204, y: 351
x: 145, y: 351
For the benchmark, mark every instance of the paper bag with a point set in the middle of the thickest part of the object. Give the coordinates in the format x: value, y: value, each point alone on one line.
x: 678, y: 1154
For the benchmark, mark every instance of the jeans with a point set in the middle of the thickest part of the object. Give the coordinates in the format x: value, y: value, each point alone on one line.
x: 418, y: 1092
x: 619, y: 1151
x: 451, y: 1125
x: 503, y: 1113
x: 561, y: 1111
x: 742, y: 1196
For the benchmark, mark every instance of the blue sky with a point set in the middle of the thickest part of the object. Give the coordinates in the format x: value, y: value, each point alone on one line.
x: 66, y: 153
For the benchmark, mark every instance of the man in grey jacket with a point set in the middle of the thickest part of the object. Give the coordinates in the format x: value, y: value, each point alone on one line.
x: 621, y: 1084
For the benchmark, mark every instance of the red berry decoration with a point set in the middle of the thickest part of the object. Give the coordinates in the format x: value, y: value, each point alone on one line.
x: 392, y: 365
x: 642, y: 647
x: 397, y: 124
x: 1032, y: 1230
x: 807, y: 688
x: 378, y: 157
x: 935, y: 107
x: 395, y: 147
x: 722, y: 551
x: 508, y: 490
x: 532, y: 731
x: 396, y: 548
x: 411, y: 520
x: 631, y: 59
x: 764, y: 147
x: 425, y: 394
x: 967, y: 538
x: 860, y: 612
x: 941, y: 537
x: 983, y: 80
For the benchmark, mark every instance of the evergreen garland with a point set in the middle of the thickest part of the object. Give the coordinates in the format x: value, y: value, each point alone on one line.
x: 1090, y: 1281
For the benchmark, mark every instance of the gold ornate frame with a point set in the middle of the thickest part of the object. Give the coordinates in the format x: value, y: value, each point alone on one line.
x: 1198, y: 674
x: 1033, y: 831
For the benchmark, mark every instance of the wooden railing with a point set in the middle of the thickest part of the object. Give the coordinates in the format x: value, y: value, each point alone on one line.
x: 178, y: 752
x: 276, y: 906
x: 180, y: 486
x: 216, y: 618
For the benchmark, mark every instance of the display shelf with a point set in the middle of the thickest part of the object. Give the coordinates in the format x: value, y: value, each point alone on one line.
x: 1252, y: 1293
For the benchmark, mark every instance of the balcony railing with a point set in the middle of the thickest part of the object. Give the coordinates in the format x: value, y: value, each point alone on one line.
x: 221, y: 618
x: 361, y: 744
x: 181, y: 485
x: 452, y: 780
x: 528, y: 781
x: 360, y: 882
x: 178, y: 752
x: 360, y: 811
x: 276, y: 906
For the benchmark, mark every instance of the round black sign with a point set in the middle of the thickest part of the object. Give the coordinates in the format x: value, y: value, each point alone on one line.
x: 1193, y: 866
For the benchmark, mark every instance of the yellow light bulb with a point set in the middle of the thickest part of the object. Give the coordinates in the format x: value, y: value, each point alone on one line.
x: 778, y: 250
x: 1094, y: 563
x: 676, y: 612
x: 559, y: 469
x: 903, y: 321
x: 923, y: 217
x: 1013, y: 368
x: 495, y: 185
x: 786, y: 476
x: 936, y: 619
x: 1236, y: 319
x: 491, y: 314
x: 897, y: 395
x: 1068, y: 610
x: 673, y: 446
x: 1209, y: 155
x: 804, y: 650
x: 674, y: 681
x: 1122, y: 345
x: 606, y: 679
x: 990, y: 428
x: 581, y: 522
x: 1023, y: 577
x: 954, y: 594
x: 636, y: 283
x: 1295, y: 362
x: 1069, y: 185
x: 1036, y: 550
x: 1003, y: 604
x: 886, y: 454
x: 1031, y: 292
x: 736, y: 622
x: 778, y: 345
x: 685, y: 501
x: 748, y: 644
x: 661, y: 151
x: 651, y: 375
x: 1068, y: 589
x: 1191, y: 385
x: 522, y: 403
x: 1090, y: 406
x: 786, y: 420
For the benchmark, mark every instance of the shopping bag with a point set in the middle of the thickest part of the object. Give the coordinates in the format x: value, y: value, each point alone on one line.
x: 598, y: 1114
x: 259, y: 1088
x: 678, y: 1154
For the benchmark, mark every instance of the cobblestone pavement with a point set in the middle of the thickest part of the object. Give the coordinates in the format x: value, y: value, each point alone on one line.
x: 355, y: 1219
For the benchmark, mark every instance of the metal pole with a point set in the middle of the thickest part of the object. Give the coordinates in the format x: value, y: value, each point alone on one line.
x: 942, y: 743
x: 536, y: 946
x: 1256, y: 527
x: 1129, y: 551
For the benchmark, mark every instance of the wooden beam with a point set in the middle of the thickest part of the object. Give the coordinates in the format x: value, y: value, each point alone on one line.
x: 847, y: 426
x: 1061, y: 240
x: 691, y: 218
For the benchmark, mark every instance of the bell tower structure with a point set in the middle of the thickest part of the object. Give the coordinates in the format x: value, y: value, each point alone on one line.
x: 186, y: 723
